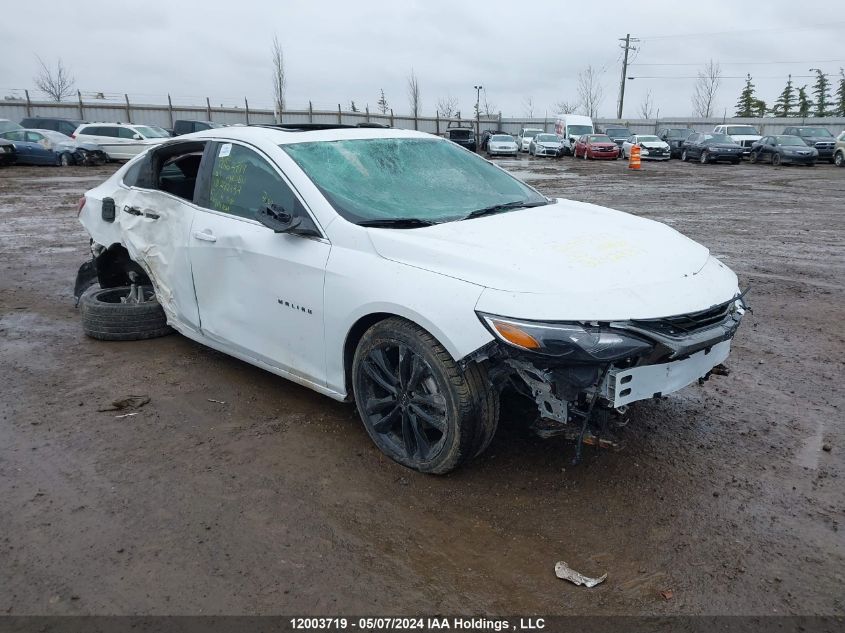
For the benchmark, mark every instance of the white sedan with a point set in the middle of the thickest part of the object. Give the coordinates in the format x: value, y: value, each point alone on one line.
x: 651, y: 147
x: 502, y: 145
x: 398, y: 270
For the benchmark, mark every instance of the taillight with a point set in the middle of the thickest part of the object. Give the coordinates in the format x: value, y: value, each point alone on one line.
x: 80, y: 206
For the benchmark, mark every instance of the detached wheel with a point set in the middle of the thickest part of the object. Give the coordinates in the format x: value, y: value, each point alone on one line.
x: 111, y: 314
x: 418, y: 406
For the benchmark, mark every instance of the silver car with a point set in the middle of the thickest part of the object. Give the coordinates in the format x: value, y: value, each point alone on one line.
x: 502, y: 145
x: 545, y: 145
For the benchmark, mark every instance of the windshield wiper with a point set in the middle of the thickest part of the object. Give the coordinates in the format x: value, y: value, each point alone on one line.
x: 397, y: 223
x: 505, y: 206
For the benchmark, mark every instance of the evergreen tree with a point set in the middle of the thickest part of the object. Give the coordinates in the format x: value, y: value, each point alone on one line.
x: 745, y: 105
x: 821, y: 93
x: 840, y: 94
x: 381, y: 104
x: 804, y: 103
x: 786, y: 101
x: 760, y: 108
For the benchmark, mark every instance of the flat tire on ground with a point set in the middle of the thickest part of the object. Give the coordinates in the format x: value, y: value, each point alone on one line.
x: 107, y: 318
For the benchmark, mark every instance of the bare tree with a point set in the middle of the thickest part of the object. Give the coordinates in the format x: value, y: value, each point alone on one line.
x: 647, y: 106
x: 590, y: 91
x: 414, y: 93
x: 487, y: 109
x: 565, y: 107
x: 528, y: 106
x: 706, y: 87
x: 447, y: 106
x: 56, y: 82
x: 279, y: 79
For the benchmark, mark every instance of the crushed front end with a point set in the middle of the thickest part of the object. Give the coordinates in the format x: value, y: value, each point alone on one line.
x: 582, y: 376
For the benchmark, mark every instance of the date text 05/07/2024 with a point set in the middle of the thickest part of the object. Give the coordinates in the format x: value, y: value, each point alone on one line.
x: 417, y: 624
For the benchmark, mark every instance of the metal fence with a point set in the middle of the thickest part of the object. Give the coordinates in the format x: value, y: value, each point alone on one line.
x: 165, y: 115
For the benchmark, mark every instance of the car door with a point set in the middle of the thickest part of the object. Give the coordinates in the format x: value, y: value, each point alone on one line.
x: 22, y: 148
x: 40, y: 153
x: 260, y: 293
x: 156, y: 224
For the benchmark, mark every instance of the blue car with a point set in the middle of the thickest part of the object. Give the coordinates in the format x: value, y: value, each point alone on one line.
x: 46, y: 147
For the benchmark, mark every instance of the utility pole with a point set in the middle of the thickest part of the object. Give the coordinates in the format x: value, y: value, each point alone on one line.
x: 627, y: 40
x: 478, y: 90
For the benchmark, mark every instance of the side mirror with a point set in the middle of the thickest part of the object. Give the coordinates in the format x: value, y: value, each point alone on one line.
x: 273, y: 216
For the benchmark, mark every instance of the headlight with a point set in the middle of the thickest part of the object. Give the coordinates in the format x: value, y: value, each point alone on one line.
x: 569, y: 341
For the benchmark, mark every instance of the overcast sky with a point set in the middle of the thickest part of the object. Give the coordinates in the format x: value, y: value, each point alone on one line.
x: 342, y: 51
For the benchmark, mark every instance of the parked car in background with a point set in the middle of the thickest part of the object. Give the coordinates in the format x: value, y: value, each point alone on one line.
x: 121, y: 141
x: 675, y: 137
x: 783, y: 150
x: 393, y: 269
x: 485, y: 137
x: 502, y: 145
x: 599, y: 146
x: 570, y: 127
x: 8, y: 152
x: 839, y: 150
x: 544, y: 145
x: 744, y: 135
x: 463, y: 135
x: 6, y: 125
x: 525, y: 135
x: 618, y: 134
x: 188, y: 126
x: 711, y: 148
x: 651, y: 147
x: 48, y: 147
x: 65, y: 126
x: 815, y: 136
x: 164, y: 133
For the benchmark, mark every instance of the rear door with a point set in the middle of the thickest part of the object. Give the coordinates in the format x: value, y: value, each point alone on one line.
x: 156, y: 216
x: 258, y: 292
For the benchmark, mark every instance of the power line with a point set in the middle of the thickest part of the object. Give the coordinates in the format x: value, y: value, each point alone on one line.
x: 740, y: 31
x: 809, y: 61
x: 721, y: 77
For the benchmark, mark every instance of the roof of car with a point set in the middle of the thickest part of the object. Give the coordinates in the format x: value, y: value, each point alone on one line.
x: 282, y: 136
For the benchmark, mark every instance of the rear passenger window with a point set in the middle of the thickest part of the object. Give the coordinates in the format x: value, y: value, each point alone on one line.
x: 242, y: 182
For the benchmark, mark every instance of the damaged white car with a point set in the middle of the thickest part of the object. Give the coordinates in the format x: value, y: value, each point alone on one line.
x: 401, y: 271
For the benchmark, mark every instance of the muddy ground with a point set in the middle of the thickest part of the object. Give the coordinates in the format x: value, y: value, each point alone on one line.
x: 273, y: 500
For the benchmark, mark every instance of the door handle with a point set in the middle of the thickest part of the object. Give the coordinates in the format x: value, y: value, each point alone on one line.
x: 132, y: 210
x: 205, y: 236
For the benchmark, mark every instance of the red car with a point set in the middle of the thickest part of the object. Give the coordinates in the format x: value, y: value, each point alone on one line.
x: 596, y: 146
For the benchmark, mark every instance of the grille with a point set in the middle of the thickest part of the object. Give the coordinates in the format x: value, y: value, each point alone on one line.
x: 687, y: 323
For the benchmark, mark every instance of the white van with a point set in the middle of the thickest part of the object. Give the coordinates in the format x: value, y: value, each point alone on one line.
x: 569, y: 127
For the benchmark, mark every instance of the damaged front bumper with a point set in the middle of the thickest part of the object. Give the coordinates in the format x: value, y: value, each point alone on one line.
x: 572, y: 394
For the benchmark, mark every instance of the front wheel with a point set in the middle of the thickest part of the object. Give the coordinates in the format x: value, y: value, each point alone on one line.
x: 64, y: 160
x: 752, y: 158
x: 684, y: 156
x: 417, y: 404
x: 839, y: 159
x: 705, y: 157
x: 776, y: 159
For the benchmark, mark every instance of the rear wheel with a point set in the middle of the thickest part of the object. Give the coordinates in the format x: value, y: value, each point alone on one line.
x: 418, y: 406
x: 126, y: 313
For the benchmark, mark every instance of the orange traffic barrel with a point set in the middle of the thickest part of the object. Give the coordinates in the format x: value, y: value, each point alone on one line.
x: 634, y: 161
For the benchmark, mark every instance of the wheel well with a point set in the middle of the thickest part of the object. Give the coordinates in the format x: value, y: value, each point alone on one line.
x: 113, y: 266
x: 353, y: 338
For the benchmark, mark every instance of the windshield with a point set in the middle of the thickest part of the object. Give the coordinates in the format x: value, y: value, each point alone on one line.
x: 789, y: 140
x: 648, y: 139
x: 6, y: 126
x: 56, y: 137
x: 682, y: 133
x: 148, y: 132
x: 547, y: 138
x: 460, y: 134
x: 814, y: 131
x: 502, y: 138
x: 618, y: 132
x: 718, y: 138
x: 743, y: 130
x: 578, y: 130
x: 600, y: 138
x: 531, y: 133
x: 390, y: 178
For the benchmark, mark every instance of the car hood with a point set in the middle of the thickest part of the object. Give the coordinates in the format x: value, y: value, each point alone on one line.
x: 724, y: 145
x: 654, y: 144
x: 561, y: 247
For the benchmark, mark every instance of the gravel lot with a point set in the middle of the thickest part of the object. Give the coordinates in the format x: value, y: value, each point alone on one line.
x: 234, y: 491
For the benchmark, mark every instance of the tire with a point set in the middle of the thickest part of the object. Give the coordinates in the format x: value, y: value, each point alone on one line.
x: 704, y: 158
x: 401, y: 373
x: 776, y: 159
x: 104, y: 317
x: 64, y: 160
x: 812, y: 163
x: 736, y: 161
x: 839, y: 159
x: 684, y: 156
x: 752, y: 158
x: 586, y: 151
